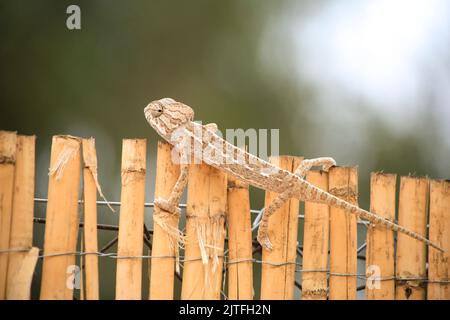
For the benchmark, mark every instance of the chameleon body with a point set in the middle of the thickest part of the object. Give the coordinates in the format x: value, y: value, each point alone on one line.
x: 174, y: 122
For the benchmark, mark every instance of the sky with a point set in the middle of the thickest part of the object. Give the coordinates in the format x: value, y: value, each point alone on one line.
x: 368, y: 59
x: 376, y: 49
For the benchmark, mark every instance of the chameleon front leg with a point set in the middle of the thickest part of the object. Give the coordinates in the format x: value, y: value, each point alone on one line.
x: 282, y: 198
x: 211, y: 127
x: 171, y: 204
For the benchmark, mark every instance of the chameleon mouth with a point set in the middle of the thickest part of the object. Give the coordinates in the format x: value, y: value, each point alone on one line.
x: 148, y: 113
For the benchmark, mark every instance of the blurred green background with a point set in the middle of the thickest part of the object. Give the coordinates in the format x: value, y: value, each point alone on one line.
x: 365, y: 82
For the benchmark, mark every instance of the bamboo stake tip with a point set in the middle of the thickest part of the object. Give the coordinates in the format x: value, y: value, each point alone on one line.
x: 439, y: 181
x: 7, y: 133
x: 134, y: 140
x: 8, y: 145
x: 162, y: 143
x: 67, y: 137
x: 26, y: 136
x: 383, y: 174
x: 88, y: 141
x: 414, y: 177
x: 344, y: 168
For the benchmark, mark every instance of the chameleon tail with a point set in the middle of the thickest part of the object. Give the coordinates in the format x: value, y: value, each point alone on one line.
x: 317, y: 195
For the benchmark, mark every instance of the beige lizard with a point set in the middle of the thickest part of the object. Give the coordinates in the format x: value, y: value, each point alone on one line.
x: 173, y: 121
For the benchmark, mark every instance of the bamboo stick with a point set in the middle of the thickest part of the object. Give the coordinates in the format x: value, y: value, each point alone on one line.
x: 162, y: 270
x: 411, y: 254
x: 22, y: 218
x: 61, y: 229
x: 23, y: 276
x: 82, y: 268
x: 380, y: 240
x: 315, y: 243
x: 8, y: 141
x: 277, y: 282
x: 131, y: 222
x: 206, y: 207
x: 90, y: 220
x: 439, y: 262
x: 240, y: 274
x: 343, y: 182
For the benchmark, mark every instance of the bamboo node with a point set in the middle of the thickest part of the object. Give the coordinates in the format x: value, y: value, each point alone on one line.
x: 7, y: 160
x: 318, y: 292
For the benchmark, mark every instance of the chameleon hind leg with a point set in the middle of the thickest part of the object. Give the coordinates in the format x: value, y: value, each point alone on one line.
x: 263, y: 236
x: 282, y: 198
x: 325, y: 162
x: 171, y: 203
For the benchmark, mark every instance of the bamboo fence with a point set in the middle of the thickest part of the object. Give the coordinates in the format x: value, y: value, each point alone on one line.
x: 317, y: 260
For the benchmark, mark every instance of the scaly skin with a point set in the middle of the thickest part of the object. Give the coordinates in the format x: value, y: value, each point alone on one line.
x: 174, y: 122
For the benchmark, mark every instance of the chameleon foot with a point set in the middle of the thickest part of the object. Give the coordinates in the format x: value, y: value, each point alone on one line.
x: 327, y: 166
x: 263, y: 239
x: 166, y: 206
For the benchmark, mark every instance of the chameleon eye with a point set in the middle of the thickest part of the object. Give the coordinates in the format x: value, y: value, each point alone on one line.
x: 156, y: 112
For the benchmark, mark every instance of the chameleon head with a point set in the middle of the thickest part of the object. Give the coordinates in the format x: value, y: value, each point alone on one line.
x: 166, y: 115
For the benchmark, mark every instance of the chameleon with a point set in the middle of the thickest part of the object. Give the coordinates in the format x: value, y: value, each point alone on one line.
x: 174, y: 122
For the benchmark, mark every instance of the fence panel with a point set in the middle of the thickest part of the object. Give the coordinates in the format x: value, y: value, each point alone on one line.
x: 277, y: 281
x: 61, y: 229
x: 8, y: 145
x: 162, y: 269
x: 131, y: 221
x: 380, y: 240
x: 343, y: 183
x: 315, y: 243
x: 205, y: 231
x: 411, y: 254
x: 240, y: 271
x: 439, y: 232
x: 212, y: 198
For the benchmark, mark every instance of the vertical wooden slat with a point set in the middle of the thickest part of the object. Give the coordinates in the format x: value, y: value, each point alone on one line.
x: 8, y: 141
x: 131, y: 221
x: 315, y: 243
x: 206, y: 207
x: 162, y: 270
x: 240, y: 274
x: 22, y: 216
x: 343, y: 182
x: 439, y: 262
x: 411, y: 254
x: 277, y: 282
x: 22, y: 274
x: 61, y: 228
x: 380, y: 240
x: 90, y: 219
